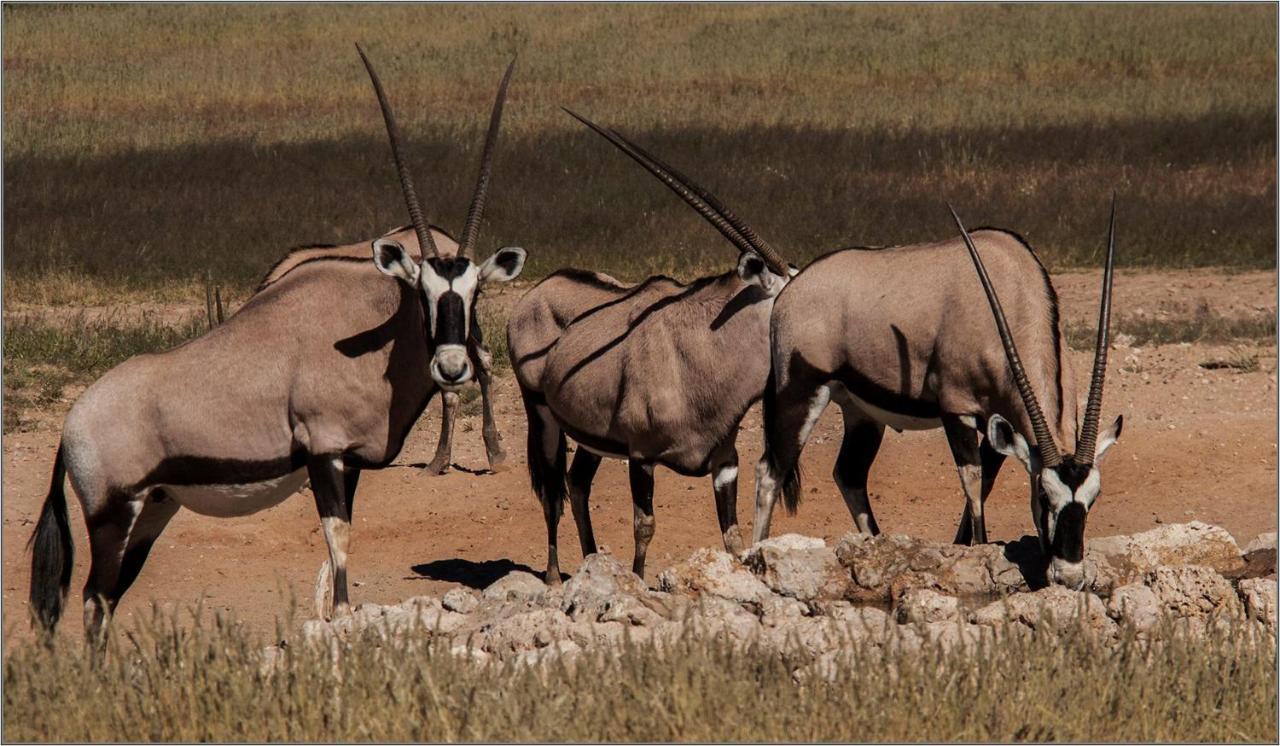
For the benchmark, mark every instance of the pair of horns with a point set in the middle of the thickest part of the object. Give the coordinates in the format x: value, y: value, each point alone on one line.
x: 721, y: 218
x: 1088, y: 438
x: 472, y: 229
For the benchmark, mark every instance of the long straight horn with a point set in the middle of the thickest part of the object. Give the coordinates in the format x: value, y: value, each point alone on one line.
x: 699, y: 199
x: 1093, y: 410
x: 762, y: 247
x: 472, y: 229
x: 425, y: 241
x: 1044, y: 438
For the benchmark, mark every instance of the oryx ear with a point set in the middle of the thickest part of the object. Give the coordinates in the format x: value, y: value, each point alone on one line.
x: 1108, y: 438
x: 505, y: 265
x: 1004, y: 439
x: 391, y: 259
x: 753, y: 271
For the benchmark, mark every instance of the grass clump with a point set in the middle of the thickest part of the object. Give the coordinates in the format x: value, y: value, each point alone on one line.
x: 167, y: 681
x: 1204, y: 326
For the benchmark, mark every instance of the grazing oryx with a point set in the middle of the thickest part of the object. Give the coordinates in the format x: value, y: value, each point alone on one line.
x: 657, y: 373
x: 480, y: 357
x: 903, y: 337
x: 316, y: 377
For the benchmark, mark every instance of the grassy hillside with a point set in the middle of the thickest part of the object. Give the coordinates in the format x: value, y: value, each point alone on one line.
x: 144, y: 144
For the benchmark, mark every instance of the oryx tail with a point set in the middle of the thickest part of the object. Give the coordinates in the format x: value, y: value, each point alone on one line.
x: 52, y: 551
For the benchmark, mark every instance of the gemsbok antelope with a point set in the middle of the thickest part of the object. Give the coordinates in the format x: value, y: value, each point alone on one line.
x: 657, y: 373
x: 903, y: 337
x: 318, y: 376
x: 480, y: 356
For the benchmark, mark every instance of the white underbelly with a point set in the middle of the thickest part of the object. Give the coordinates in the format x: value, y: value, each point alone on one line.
x: 896, y: 421
x: 232, y: 500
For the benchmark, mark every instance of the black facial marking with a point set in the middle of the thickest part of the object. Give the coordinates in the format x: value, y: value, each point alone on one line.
x: 1072, y: 474
x: 449, y: 268
x: 1068, y: 538
x: 450, y: 324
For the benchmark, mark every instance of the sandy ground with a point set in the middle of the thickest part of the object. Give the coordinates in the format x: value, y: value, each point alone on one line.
x: 1198, y: 444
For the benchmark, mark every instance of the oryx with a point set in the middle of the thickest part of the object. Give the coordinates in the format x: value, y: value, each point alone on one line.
x: 480, y: 357
x: 903, y: 337
x: 657, y: 373
x: 316, y: 377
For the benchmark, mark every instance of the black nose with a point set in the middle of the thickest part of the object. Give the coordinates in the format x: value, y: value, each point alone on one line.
x: 451, y: 377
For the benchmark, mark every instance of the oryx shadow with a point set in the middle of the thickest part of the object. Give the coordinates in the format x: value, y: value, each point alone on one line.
x: 1026, y: 554
x: 478, y: 575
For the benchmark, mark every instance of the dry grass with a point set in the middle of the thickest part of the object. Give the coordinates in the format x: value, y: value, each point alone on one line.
x: 167, y: 681
x: 146, y: 144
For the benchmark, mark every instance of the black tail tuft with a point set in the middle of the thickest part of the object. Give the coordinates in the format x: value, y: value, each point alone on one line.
x: 547, y: 478
x: 790, y: 474
x: 52, y: 553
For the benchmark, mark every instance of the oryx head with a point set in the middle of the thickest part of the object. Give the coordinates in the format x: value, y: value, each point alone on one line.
x: 1063, y: 486
x: 447, y: 285
x: 759, y: 263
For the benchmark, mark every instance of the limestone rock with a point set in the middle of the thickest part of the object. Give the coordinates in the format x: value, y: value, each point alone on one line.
x: 1260, y: 556
x: 604, y: 587
x: 883, y: 567
x: 924, y: 606
x: 1055, y: 603
x: 1259, y: 595
x: 716, y: 573
x: 800, y: 567
x: 460, y: 600
x: 1193, y: 543
x: 1136, y: 605
x: 517, y: 585
x: 1194, y: 591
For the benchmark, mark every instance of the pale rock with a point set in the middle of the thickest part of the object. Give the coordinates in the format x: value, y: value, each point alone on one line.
x: 801, y: 567
x: 1066, y: 608
x: 1193, y: 543
x: 461, y: 600
x: 517, y: 585
x: 1259, y: 595
x: 924, y: 606
x: 1194, y: 591
x: 715, y: 573
x: 1136, y: 605
x: 780, y: 610
x: 601, y: 584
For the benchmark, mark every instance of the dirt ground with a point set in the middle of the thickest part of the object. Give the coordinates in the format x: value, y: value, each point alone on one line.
x: 1198, y: 444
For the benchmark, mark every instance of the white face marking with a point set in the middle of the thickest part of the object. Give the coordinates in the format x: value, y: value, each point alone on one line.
x: 724, y: 477
x: 232, y: 500
x: 434, y: 286
x: 1056, y: 492
x: 1090, y: 488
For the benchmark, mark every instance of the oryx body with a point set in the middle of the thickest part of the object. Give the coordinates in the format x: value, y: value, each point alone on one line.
x: 319, y: 375
x: 659, y: 373
x: 480, y: 357
x: 903, y: 337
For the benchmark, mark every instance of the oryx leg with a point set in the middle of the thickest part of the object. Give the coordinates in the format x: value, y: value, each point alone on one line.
x: 444, y: 448
x: 483, y: 360
x: 642, y: 502
x: 862, y: 438
x: 324, y: 579
x: 963, y: 440
x: 991, y: 460
x: 109, y: 529
x: 546, y: 456
x: 724, y: 482
x: 789, y: 417
x: 328, y: 483
x: 157, y: 510
x: 581, y: 474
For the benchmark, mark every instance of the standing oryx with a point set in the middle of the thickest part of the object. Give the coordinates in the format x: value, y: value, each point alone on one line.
x: 480, y: 357
x: 318, y: 376
x: 903, y: 337
x: 657, y: 373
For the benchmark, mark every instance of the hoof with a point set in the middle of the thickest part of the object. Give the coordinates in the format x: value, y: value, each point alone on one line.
x: 436, y: 468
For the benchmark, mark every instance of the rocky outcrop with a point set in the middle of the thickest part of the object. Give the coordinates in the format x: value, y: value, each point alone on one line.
x: 794, y: 593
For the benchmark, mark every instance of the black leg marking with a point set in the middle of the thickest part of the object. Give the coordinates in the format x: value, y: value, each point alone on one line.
x: 443, y: 459
x: 963, y: 440
x: 862, y: 438
x: 581, y: 474
x: 642, y: 501
x: 328, y: 483
x: 724, y: 483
